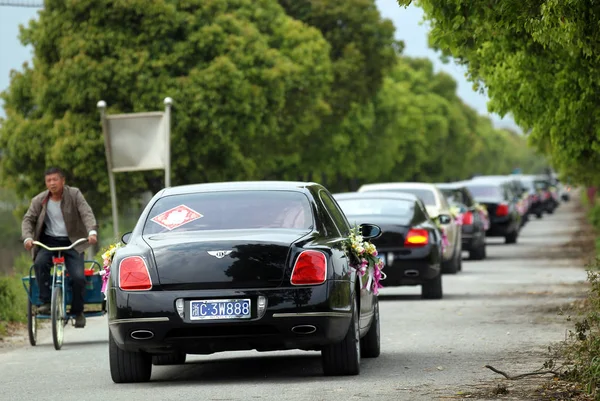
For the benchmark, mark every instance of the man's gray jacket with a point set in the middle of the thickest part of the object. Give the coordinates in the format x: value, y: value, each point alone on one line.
x: 78, y: 215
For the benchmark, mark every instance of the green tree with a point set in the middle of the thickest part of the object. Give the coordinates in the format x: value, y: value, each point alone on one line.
x: 249, y: 84
x: 538, y: 61
x: 362, y: 50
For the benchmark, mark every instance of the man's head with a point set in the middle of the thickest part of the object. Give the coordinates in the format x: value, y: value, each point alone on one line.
x: 55, y: 180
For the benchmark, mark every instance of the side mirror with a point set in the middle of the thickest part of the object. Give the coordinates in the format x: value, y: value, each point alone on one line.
x: 370, y: 231
x: 445, y: 219
x: 125, y: 238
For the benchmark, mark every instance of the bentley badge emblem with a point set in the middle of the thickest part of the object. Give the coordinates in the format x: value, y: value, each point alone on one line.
x: 219, y: 254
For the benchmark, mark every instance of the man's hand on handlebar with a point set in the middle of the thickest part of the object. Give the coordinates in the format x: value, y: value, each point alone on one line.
x: 29, y: 244
x: 92, y: 239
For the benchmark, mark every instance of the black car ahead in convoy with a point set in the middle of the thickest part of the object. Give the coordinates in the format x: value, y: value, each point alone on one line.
x: 410, y: 243
x: 549, y: 198
x: 239, y: 266
x: 473, y: 227
x: 501, y: 203
x: 536, y: 206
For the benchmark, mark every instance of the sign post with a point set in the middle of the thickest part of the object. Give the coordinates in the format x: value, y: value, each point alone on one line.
x: 135, y: 142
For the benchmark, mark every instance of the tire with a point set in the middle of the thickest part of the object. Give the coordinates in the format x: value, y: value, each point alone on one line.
x: 128, y: 367
x: 452, y: 266
x: 538, y: 215
x: 478, y: 253
x: 57, y: 313
x: 433, y: 288
x: 176, y: 358
x: 343, y: 358
x: 511, y: 238
x: 31, y: 323
x: 370, y: 346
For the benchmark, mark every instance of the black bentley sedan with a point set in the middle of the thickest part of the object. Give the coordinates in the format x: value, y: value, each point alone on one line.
x: 239, y: 266
x: 410, y: 244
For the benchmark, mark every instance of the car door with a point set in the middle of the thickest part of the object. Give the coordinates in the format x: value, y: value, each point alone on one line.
x: 339, y: 218
x: 452, y: 228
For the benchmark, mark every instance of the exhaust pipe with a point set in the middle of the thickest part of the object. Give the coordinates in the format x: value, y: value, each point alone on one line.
x: 411, y: 273
x: 142, y: 335
x: 304, y: 329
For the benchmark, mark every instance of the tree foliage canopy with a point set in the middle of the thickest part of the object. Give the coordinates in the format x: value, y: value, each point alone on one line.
x: 538, y: 61
x: 263, y: 89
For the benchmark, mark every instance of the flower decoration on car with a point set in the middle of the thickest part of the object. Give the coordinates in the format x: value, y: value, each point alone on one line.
x: 445, y: 242
x: 458, y: 216
x: 363, y: 258
x: 484, y: 215
x: 107, y: 259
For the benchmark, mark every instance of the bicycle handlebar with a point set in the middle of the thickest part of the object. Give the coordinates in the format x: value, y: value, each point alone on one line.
x: 61, y: 248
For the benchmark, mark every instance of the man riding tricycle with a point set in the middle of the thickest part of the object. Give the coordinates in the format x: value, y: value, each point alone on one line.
x: 57, y: 228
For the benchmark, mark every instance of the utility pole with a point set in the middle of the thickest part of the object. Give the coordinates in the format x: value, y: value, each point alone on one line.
x: 22, y: 3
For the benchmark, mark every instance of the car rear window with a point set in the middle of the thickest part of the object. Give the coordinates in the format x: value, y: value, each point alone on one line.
x: 485, y: 191
x: 230, y: 210
x: 426, y: 195
x: 374, y: 206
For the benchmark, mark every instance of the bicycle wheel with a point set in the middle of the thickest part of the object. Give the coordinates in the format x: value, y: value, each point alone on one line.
x: 31, y: 323
x: 58, y: 317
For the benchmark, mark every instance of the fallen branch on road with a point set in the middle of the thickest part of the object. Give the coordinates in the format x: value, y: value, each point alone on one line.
x: 544, y: 372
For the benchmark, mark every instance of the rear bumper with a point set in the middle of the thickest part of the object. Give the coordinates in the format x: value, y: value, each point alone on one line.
x: 155, y: 312
x: 500, y: 228
x: 472, y: 237
x: 416, y: 268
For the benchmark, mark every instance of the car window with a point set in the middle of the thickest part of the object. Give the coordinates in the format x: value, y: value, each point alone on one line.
x: 336, y: 213
x: 486, y: 191
x: 426, y: 195
x: 230, y: 210
x: 398, y: 208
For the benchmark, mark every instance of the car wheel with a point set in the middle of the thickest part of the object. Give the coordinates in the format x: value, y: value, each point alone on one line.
x: 370, y: 346
x: 343, y: 358
x: 452, y: 266
x: 478, y: 253
x: 176, y: 358
x: 433, y: 288
x: 511, y: 238
x: 128, y: 367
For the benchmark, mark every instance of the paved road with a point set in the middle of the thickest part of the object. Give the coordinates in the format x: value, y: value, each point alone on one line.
x: 490, y: 315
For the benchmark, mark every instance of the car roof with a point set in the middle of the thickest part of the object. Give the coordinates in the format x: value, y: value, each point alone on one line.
x: 298, y: 186
x: 397, y: 185
x: 376, y: 194
x: 451, y: 185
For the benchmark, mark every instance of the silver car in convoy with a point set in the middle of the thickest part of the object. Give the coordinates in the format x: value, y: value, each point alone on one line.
x: 437, y: 207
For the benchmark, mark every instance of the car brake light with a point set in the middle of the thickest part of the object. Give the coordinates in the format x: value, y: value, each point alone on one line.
x: 468, y: 218
x: 502, y: 210
x: 134, y: 274
x: 416, y: 237
x: 310, y: 268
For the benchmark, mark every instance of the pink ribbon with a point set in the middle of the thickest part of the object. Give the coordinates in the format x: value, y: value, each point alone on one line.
x: 105, y: 279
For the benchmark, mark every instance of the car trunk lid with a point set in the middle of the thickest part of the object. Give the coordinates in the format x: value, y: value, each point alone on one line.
x: 222, y: 259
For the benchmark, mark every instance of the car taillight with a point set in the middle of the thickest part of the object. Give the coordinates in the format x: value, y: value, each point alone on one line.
x: 134, y: 275
x: 310, y: 268
x: 502, y: 210
x: 467, y: 218
x: 416, y: 237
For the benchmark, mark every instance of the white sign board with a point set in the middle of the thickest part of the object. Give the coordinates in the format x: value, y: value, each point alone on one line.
x: 138, y: 141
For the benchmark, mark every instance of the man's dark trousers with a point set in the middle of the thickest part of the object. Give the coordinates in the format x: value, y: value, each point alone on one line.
x: 73, y: 263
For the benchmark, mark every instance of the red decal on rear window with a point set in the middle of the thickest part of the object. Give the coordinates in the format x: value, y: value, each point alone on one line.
x: 176, y: 217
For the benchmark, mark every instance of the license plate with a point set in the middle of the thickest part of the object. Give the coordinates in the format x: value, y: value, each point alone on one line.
x: 220, y: 309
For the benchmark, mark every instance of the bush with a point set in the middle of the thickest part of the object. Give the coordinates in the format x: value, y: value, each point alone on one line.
x: 581, y: 350
x: 13, y: 301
